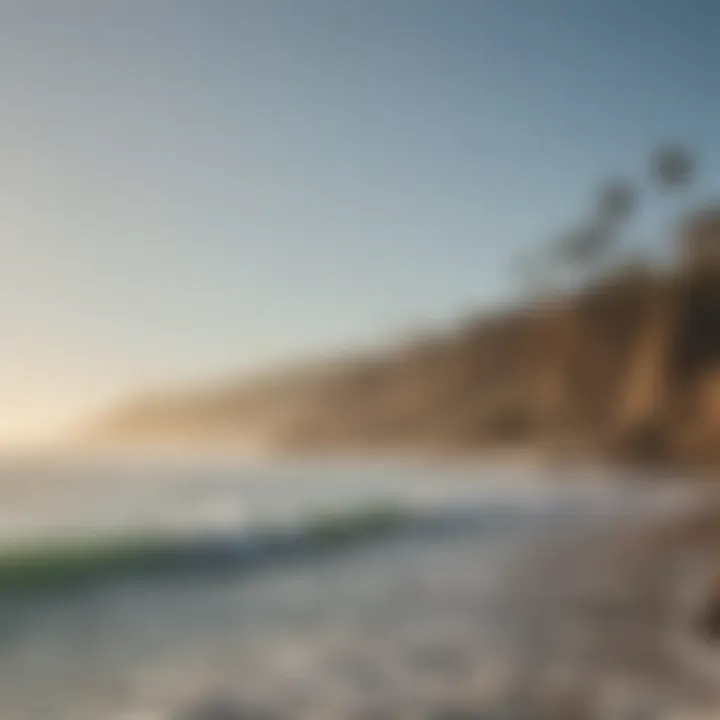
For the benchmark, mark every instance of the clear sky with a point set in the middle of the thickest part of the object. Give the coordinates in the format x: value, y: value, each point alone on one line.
x: 195, y: 188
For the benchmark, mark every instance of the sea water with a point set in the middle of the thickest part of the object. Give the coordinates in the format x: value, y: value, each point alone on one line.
x: 413, y: 623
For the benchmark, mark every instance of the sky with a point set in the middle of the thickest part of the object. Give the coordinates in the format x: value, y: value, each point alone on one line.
x: 194, y: 189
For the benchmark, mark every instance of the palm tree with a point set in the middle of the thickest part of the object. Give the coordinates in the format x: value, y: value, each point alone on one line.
x: 616, y: 202
x: 672, y: 167
x: 583, y: 245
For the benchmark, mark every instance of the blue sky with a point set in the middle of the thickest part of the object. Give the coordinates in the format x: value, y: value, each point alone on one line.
x: 192, y: 189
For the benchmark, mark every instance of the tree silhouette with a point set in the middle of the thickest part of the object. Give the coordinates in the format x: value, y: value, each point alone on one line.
x: 583, y: 248
x: 672, y: 167
x: 616, y: 202
x: 583, y: 245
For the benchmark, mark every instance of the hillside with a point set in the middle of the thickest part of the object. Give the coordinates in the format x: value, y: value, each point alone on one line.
x: 629, y: 367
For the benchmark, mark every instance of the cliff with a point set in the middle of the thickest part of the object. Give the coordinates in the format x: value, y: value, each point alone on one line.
x: 627, y: 368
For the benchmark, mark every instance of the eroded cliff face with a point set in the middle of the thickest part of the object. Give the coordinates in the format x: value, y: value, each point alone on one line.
x: 629, y: 368
x: 692, y: 411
